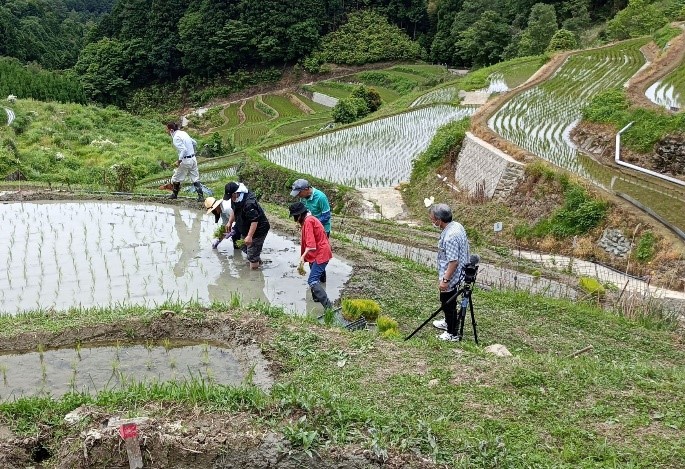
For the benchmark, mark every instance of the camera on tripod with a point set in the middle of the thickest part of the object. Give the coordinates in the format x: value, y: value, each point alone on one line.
x: 470, y: 271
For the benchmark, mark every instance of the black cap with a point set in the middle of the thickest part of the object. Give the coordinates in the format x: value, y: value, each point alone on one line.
x: 230, y: 188
x: 297, y: 209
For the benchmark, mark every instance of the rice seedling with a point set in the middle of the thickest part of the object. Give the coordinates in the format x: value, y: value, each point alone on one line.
x: 166, y: 343
x: 205, y: 355
x: 3, y: 370
x: 236, y: 300
x: 77, y: 347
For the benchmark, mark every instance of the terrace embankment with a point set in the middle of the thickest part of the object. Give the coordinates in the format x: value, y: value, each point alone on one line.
x: 599, y: 140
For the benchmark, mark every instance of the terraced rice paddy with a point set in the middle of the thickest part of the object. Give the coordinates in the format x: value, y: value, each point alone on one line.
x: 282, y: 105
x: 541, y: 118
x: 252, y: 114
x: 247, y: 135
x: 91, y: 368
x: 63, y: 255
x: 376, y: 154
x: 442, y: 95
x: 669, y: 92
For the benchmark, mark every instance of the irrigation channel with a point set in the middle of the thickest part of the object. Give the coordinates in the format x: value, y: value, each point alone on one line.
x: 62, y: 255
x: 541, y: 119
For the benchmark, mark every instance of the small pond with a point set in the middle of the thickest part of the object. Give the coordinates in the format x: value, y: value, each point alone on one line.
x: 93, y: 368
x: 63, y: 255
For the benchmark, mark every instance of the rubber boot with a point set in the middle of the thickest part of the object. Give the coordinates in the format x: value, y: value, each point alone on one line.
x: 175, y: 190
x: 320, y: 296
x: 198, y: 189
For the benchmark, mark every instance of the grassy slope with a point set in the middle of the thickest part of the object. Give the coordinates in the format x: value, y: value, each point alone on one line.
x: 88, y: 138
x: 617, y: 406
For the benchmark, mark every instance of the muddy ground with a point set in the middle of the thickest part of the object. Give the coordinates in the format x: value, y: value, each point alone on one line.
x: 173, y: 437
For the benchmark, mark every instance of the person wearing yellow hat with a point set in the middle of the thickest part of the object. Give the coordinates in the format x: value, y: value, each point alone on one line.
x: 221, y: 209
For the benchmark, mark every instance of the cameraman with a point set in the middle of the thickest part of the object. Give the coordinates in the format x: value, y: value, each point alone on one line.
x: 453, y: 254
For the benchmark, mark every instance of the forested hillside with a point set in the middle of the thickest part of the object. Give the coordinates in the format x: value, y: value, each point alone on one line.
x: 163, y: 47
x: 49, y: 32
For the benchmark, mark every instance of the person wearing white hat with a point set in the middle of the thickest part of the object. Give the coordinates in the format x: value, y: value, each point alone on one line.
x: 221, y: 209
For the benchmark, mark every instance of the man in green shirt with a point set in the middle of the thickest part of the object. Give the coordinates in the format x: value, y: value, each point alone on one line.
x: 316, y: 203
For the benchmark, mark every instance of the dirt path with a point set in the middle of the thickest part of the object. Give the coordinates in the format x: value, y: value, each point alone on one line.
x: 241, y: 113
x: 385, y: 203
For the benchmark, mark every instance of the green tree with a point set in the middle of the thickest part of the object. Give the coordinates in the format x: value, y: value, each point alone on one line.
x: 542, y: 25
x: 103, y: 69
x: 370, y: 96
x: 367, y: 37
x: 577, y: 15
x: 563, y: 40
x: 349, y: 110
x: 638, y: 19
x: 484, y: 42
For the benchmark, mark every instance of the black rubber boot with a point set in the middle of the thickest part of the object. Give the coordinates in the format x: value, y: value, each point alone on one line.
x: 198, y: 189
x: 175, y: 190
x: 320, y: 296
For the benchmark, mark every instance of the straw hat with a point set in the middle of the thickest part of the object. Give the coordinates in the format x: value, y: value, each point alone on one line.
x: 210, y: 204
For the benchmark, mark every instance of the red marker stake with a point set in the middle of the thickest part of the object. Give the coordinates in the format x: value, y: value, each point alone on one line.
x: 129, y: 432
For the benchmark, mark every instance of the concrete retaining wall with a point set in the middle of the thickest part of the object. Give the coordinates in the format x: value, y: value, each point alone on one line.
x: 483, y: 168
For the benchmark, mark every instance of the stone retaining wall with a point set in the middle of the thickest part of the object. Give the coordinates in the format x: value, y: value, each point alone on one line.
x: 482, y: 168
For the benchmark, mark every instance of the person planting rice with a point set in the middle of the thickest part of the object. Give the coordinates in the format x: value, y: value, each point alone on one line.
x: 221, y: 209
x: 317, y: 204
x: 250, y: 220
x: 315, y: 249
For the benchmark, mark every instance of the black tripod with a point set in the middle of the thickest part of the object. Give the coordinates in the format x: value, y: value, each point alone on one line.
x: 468, y: 275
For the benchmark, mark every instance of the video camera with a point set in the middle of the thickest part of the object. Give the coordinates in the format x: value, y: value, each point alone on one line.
x: 470, y: 271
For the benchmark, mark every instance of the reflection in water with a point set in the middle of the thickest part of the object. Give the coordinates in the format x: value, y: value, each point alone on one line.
x: 186, y: 239
x: 61, y: 255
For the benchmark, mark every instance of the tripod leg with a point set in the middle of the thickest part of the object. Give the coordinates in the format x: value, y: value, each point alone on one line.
x: 473, y: 321
x: 461, y: 317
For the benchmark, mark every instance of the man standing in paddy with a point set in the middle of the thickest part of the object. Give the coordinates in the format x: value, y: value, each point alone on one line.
x: 186, y: 164
x: 317, y: 204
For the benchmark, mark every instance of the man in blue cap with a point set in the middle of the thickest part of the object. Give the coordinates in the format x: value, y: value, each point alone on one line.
x: 316, y: 203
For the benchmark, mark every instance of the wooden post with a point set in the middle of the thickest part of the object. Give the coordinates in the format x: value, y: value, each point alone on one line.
x: 129, y: 432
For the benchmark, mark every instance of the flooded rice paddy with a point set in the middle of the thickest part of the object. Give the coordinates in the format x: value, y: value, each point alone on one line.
x: 63, y: 255
x: 93, y: 368
x: 384, y: 148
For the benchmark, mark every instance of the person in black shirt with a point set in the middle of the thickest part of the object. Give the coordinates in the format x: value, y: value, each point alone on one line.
x: 249, y: 218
